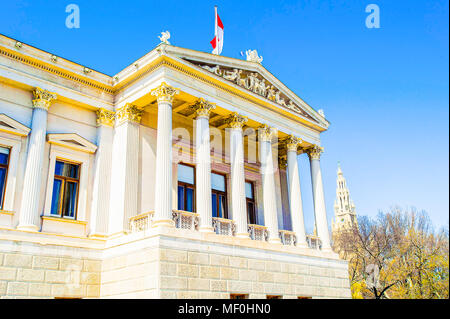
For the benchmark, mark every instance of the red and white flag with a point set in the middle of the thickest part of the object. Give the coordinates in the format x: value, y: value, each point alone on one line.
x: 217, y: 42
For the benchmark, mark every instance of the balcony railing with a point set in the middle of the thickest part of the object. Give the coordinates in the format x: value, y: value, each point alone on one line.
x: 258, y: 232
x: 223, y: 226
x: 288, y: 237
x: 141, y: 222
x: 185, y: 220
x: 313, y: 242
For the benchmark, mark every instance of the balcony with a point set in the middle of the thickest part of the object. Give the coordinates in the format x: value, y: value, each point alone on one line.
x: 141, y: 222
x: 313, y: 242
x: 185, y: 220
x: 258, y: 232
x: 288, y: 237
x: 223, y: 226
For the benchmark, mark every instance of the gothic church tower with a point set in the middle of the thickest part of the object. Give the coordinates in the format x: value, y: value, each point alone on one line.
x: 344, y: 208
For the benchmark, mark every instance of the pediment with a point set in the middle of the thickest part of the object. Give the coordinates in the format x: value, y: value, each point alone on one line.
x: 11, y: 126
x: 72, y: 140
x: 252, y: 77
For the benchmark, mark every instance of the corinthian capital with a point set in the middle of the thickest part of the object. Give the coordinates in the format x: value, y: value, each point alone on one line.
x: 315, y: 152
x: 292, y: 143
x: 129, y: 113
x: 203, y: 108
x: 265, y: 133
x: 164, y: 92
x: 43, y: 98
x: 105, y: 117
x: 235, y: 120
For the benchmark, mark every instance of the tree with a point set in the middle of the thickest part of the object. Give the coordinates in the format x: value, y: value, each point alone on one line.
x: 397, y: 255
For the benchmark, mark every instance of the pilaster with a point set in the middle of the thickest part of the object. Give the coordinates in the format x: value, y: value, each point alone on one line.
x: 125, y: 161
x: 100, y: 215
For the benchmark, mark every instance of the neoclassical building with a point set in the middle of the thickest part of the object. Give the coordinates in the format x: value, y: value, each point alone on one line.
x: 176, y: 178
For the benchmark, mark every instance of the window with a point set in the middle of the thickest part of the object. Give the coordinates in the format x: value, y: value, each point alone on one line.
x: 219, y: 195
x: 273, y: 297
x: 238, y: 296
x: 250, y: 198
x: 65, y: 189
x: 4, y: 162
x: 186, y: 188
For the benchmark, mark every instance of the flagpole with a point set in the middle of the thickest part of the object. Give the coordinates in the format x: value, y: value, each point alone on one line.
x: 215, y: 30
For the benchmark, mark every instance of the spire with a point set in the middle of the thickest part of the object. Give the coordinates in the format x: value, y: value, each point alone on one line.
x: 344, y: 208
x: 339, y: 170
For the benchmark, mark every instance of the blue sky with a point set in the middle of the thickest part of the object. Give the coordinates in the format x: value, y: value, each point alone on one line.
x: 385, y: 91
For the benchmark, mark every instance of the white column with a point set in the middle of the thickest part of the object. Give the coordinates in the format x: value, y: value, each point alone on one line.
x: 238, y: 202
x: 295, y: 194
x: 319, y: 198
x: 29, y: 218
x: 268, y: 182
x: 203, y: 167
x: 163, y: 191
x: 99, y: 220
x: 125, y: 169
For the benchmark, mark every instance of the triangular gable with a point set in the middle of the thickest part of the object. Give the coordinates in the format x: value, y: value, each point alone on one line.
x: 72, y: 140
x: 11, y: 126
x: 251, y: 76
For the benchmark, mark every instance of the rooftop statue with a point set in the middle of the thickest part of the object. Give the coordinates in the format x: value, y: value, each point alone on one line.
x: 252, y: 56
x: 165, y: 36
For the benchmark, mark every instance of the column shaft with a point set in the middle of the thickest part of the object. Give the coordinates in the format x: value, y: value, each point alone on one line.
x: 239, y: 206
x: 203, y: 168
x: 268, y: 184
x: 163, y: 191
x: 319, y: 199
x: 29, y: 218
x: 295, y: 198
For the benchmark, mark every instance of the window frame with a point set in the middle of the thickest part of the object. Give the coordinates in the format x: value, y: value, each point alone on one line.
x: 15, y: 143
x: 64, y: 180
x: 253, y: 201
x: 218, y: 193
x: 85, y: 160
x: 6, y: 166
x: 185, y: 185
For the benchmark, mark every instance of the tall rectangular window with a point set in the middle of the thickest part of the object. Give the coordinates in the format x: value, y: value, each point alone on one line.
x: 250, y: 199
x: 186, y: 188
x: 219, y: 195
x: 4, y: 162
x: 65, y: 189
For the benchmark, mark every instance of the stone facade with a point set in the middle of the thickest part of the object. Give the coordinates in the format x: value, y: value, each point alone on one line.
x: 165, y: 264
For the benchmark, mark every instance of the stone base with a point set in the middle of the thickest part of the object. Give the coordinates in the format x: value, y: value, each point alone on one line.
x: 164, y: 263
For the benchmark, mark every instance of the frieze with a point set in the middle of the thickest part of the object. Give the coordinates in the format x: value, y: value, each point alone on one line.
x: 253, y: 82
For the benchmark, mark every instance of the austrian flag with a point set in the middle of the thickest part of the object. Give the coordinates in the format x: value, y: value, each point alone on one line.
x: 217, y: 42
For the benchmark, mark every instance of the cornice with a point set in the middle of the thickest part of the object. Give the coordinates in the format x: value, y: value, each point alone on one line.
x: 47, y: 67
x: 154, y: 60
